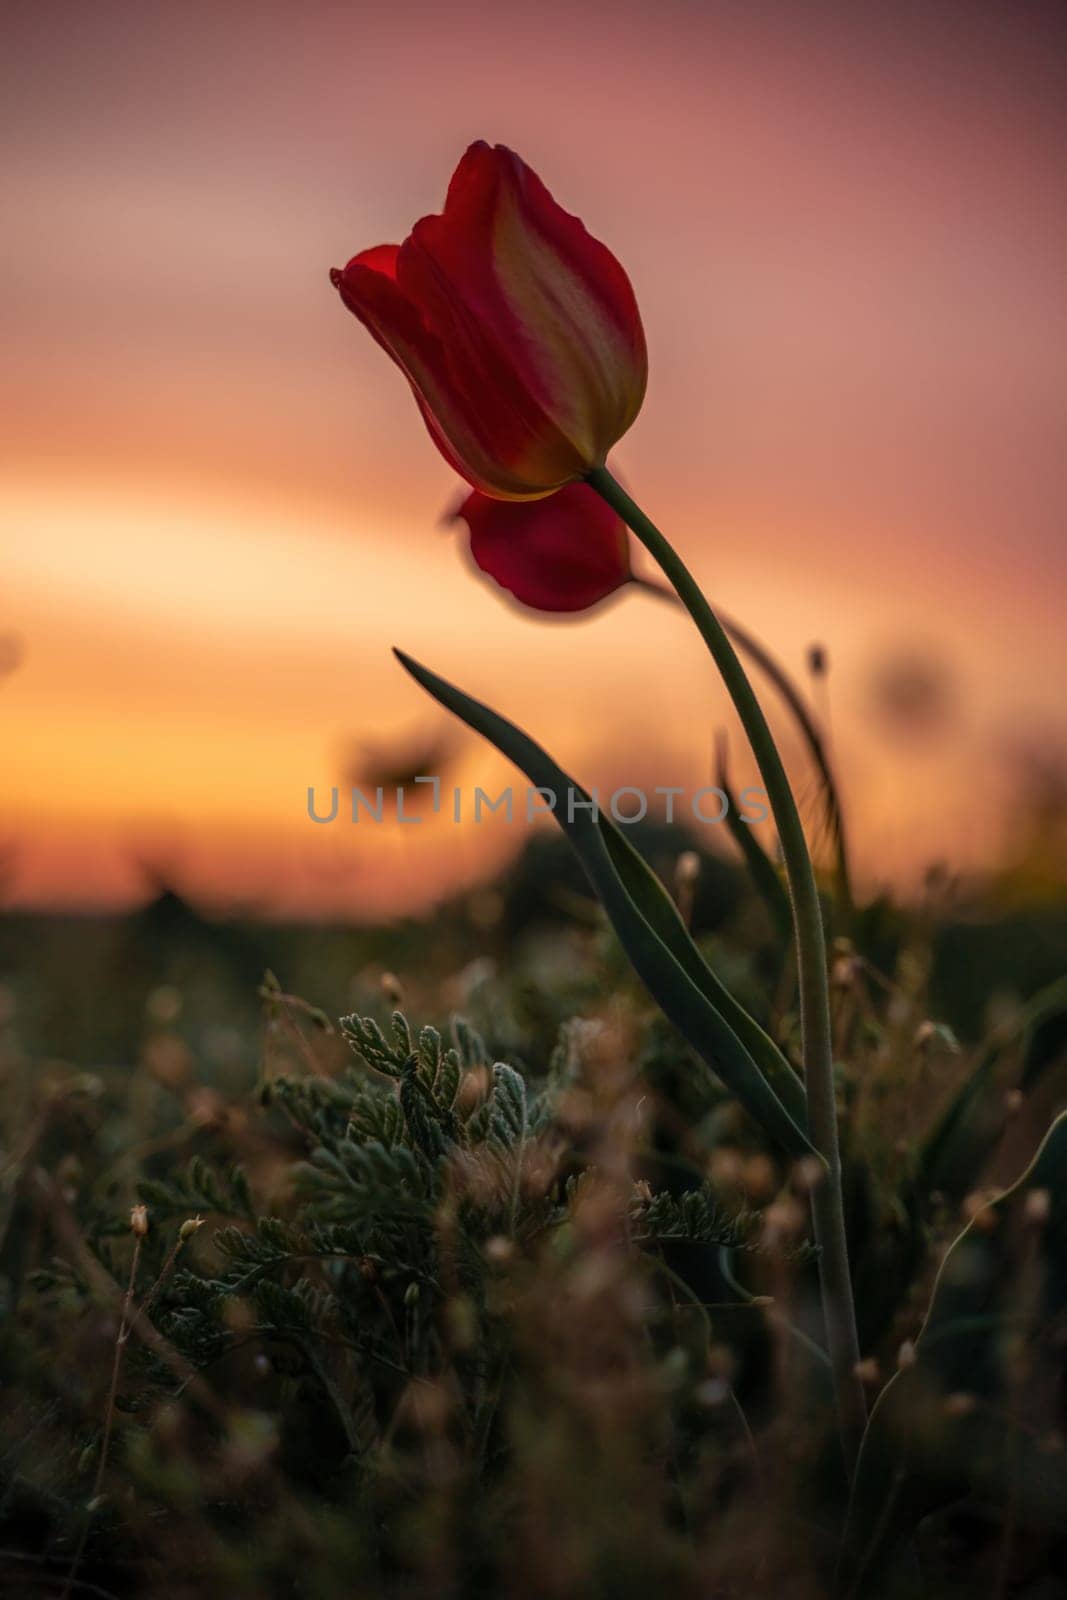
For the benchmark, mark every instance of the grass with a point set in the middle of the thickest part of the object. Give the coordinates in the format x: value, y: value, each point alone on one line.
x: 491, y: 1289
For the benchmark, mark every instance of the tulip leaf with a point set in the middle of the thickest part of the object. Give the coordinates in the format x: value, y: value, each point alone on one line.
x: 651, y: 932
x: 661, y: 913
x: 972, y: 1410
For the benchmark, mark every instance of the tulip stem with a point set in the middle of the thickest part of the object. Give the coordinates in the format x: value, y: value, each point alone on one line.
x: 828, y: 1214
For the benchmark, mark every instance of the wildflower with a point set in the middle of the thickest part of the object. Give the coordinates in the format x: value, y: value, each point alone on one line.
x: 518, y: 332
x: 844, y: 971
x: 687, y: 869
x: 783, y: 1222
x: 808, y: 1174
x: 978, y: 1209
x: 499, y: 1250
x: 760, y: 1178
x: 392, y: 988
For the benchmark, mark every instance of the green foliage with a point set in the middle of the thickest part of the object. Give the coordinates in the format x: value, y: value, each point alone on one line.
x: 198, y: 1188
x: 414, y: 1164
x: 433, y: 1337
x: 694, y: 1215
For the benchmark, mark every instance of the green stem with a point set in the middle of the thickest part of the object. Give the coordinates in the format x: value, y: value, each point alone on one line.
x: 828, y: 1214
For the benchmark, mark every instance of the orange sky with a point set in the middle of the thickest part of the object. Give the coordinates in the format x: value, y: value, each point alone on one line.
x: 846, y: 227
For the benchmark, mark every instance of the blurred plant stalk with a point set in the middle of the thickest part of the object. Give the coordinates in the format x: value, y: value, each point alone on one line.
x: 827, y: 1203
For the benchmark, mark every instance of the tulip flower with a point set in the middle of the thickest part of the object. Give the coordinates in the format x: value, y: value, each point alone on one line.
x: 517, y: 330
x: 520, y: 337
x: 561, y: 554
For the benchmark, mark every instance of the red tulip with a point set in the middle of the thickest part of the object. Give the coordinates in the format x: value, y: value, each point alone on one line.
x: 559, y: 554
x: 518, y: 332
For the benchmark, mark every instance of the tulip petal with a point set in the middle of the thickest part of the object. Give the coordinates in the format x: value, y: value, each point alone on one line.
x: 369, y: 287
x: 518, y: 331
x: 561, y: 554
x: 445, y: 266
x: 548, y: 258
x: 549, y: 309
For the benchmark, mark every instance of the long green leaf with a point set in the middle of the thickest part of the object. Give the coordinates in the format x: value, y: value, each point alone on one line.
x: 653, y: 936
x: 662, y: 915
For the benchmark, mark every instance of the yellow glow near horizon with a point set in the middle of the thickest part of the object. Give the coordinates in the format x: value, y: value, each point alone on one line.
x: 190, y: 669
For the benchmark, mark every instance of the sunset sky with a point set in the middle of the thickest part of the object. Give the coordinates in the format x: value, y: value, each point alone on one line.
x: 847, y: 230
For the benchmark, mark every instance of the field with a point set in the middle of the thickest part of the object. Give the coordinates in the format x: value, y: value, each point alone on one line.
x: 490, y: 1288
